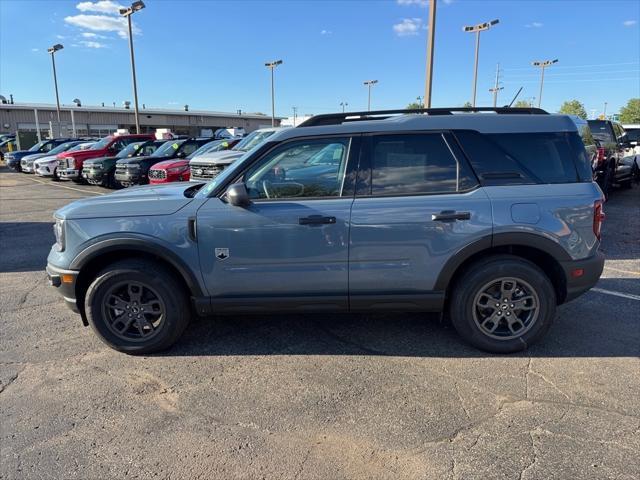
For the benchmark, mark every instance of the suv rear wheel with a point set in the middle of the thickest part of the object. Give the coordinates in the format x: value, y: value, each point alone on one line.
x: 137, y: 307
x: 503, y: 304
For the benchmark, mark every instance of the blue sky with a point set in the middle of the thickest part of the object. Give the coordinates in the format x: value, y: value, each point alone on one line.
x: 211, y: 54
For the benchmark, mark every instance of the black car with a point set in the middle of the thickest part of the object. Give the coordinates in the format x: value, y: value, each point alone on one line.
x: 134, y: 171
x: 611, y: 142
x: 101, y: 171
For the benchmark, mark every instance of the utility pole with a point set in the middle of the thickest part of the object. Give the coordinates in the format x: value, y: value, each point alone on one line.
x: 127, y: 12
x: 604, y: 112
x: 495, y: 88
x: 295, y: 115
x: 431, y: 36
x: 52, y: 51
x: 369, y: 83
x: 477, y: 29
x: 543, y: 66
x: 419, y: 99
x: 272, y: 66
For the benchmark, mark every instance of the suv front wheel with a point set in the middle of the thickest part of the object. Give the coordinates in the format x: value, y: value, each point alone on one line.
x: 136, y: 306
x: 503, y: 304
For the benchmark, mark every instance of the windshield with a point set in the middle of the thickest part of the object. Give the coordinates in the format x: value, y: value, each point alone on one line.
x: 130, y: 150
x: 38, y: 146
x: 81, y: 146
x: 102, y: 143
x: 600, y: 131
x: 168, y: 149
x: 62, y: 148
x: 253, y: 139
x: 204, y: 148
x: 633, y: 134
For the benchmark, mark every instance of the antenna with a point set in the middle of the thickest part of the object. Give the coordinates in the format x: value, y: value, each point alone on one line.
x: 514, y: 98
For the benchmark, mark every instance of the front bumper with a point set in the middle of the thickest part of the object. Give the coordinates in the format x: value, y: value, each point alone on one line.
x: 45, y: 170
x: 65, y: 282
x: 591, y: 270
x: 27, y: 167
x: 12, y: 162
x: 93, y: 175
x: 68, y: 173
x: 128, y: 178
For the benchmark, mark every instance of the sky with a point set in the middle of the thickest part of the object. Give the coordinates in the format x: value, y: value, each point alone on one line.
x: 211, y: 54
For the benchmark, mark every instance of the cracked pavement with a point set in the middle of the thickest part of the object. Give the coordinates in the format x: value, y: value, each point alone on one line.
x: 313, y: 396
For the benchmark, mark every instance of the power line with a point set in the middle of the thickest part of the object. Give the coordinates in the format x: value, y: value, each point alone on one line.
x: 578, y: 66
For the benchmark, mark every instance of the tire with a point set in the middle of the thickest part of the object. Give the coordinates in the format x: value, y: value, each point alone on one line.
x: 110, y: 181
x: 55, y: 176
x: 489, y: 275
x: 115, y: 290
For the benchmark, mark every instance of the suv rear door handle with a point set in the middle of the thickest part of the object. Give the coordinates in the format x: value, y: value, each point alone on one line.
x: 450, y: 216
x: 316, y: 220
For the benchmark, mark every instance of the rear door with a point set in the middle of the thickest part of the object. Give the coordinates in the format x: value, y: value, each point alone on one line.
x: 417, y: 204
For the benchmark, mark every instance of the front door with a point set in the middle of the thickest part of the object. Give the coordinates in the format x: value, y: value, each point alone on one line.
x: 289, y: 248
x: 416, y: 206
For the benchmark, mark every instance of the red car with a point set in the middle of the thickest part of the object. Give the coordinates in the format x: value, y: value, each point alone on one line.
x: 177, y: 169
x: 70, y: 163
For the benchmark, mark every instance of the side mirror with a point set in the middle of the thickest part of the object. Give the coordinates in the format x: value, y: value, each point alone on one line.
x: 238, y: 196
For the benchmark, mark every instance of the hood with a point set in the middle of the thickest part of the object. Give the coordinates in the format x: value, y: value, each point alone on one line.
x: 82, y: 154
x: 146, y: 200
x: 98, y: 160
x: 144, y: 159
x: 33, y: 156
x: 173, y: 163
x: 223, y: 157
x: 46, y: 159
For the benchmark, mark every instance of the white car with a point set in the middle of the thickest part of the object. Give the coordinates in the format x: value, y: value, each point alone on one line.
x: 632, y: 154
x: 47, y: 166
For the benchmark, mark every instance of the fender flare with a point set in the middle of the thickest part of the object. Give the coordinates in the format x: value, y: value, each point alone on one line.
x: 140, y: 243
x: 516, y: 239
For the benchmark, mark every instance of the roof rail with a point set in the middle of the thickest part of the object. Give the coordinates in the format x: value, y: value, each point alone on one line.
x: 339, y: 118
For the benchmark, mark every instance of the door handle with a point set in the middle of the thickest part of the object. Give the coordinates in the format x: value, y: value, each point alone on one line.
x: 316, y: 220
x: 450, y: 216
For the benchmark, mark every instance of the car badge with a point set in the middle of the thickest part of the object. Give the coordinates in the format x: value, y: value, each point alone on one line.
x: 222, y: 253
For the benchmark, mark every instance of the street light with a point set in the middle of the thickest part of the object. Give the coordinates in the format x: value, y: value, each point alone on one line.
x: 343, y: 105
x: 543, y: 66
x: 127, y: 12
x: 369, y: 83
x: 52, y: 51
x: 272, y: 66
x: 477, y: 29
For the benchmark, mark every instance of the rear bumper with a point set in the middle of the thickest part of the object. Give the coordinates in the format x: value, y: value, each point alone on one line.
x: 591, y: 270
x: 64, y: 281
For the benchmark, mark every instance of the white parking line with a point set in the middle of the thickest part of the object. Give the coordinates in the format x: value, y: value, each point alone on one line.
x: 630, y: 296
x: 64, y: 186
x: 621, y: 271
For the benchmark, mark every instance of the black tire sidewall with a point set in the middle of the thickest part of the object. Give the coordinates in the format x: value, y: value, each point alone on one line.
x: 461, y: 305
x: 177, y: 309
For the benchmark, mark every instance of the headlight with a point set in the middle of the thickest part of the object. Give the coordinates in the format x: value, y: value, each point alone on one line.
x: 72, y: 162
x: 58, y: 231
x: 178, y: 169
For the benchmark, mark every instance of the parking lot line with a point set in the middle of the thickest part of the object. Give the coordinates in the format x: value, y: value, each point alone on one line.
x: 622, y: 271
x: 64, y: 186
x: 616, y: 294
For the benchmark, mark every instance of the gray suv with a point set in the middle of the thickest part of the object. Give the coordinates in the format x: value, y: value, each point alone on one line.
x: 491, y: 216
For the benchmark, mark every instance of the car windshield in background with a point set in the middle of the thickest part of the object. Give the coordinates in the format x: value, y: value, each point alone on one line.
x: 168, y: 149
x: 101, y: 144
x: 80, y: 147
x: 254, y: 138
x: 600, y: 131
x: 37, y: 146
x: 63, y: 147
x: 130, y: 150
x: 633, y: 134
x: 207, y: 147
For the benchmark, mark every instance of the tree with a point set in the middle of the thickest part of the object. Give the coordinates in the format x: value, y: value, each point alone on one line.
x: 522, y: 104
x: 467, y: 105
x: 631, y: 112
x: 574, y: 107
x: 414, y: 106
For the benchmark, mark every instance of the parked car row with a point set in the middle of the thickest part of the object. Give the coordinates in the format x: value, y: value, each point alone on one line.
x: 124, y: 160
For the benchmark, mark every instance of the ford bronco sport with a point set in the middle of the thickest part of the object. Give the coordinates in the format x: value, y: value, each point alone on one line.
x: 490, y: 215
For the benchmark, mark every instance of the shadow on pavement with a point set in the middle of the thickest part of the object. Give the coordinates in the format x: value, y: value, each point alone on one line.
x: 25, y: 246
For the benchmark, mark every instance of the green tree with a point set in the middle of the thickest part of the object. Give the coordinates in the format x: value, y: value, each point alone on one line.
x: 522, y: 104
x: 573, y: 107
x: 414, y: 106
x: 467, y: 105
x: 631, y: 112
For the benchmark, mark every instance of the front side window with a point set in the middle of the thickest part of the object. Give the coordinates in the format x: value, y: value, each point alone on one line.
x: 188, y: 148
x: 301, y: 169
x: 415, y: 164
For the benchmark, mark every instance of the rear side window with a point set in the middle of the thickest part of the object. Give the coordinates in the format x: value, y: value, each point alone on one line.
x: 416, y: 164
x: 582, y: 156
x: 547, y: 156
x: 601, y: 131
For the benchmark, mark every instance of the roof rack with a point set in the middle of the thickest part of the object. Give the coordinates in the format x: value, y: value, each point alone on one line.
x: 339, y: 118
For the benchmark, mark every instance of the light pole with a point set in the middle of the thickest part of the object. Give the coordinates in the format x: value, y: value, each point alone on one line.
x: 343, y: 105
x: 52, y: 51
x: 369, y: 83
x: 127, y: 12
x: 496, y: 88
x: 431, y: 37
x: 295, y: 115
x: 272, y: 66
x: 477, y: 29
x: 543, y: 66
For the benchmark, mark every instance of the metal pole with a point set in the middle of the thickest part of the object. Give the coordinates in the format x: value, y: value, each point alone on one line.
x: 35, y: 112
x: 369, y: 99
x: 604, y: 113
x: 273, y: 101
x: 55, y: 82
x: 431, y: 35
x: 133, y: 74
x: 73, y: 123
x: 475, y: 69
x: 295, y: 115
x: 495, y: 88
x: 541, y: 85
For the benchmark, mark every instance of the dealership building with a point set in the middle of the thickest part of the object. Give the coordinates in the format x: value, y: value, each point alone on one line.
x: 99, y: 121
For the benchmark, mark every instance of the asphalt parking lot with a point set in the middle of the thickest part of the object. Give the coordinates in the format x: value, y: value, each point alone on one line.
x: 326, y: 396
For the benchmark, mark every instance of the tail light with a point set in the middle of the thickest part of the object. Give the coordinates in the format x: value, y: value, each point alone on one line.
x: 601, y: 155
x: 598, y: 218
